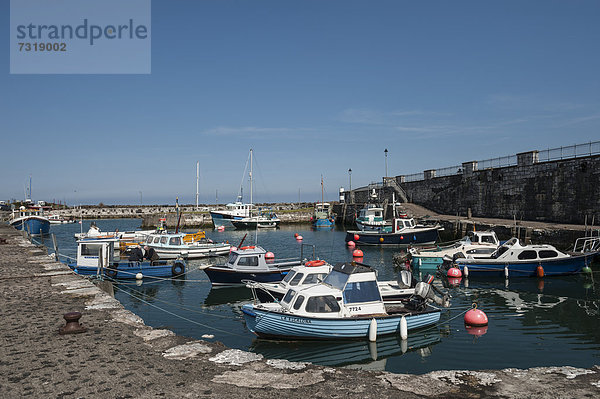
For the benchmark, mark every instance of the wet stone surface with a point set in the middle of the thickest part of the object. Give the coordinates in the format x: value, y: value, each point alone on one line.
x: 119, y: 357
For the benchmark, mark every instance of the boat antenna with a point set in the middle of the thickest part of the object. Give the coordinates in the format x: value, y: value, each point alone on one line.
x: 241, y: 242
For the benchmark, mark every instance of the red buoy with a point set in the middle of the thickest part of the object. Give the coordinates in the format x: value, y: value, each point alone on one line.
x: 476, y: 318
x: 296, y: 235
x: 356, y: 237
x: 269, y: 255
x: 454, y: 272
x: 351, y: 244
x: 539, y: 271
x: 232, y: 248
x: 357, y: 253
x: 299, y: 238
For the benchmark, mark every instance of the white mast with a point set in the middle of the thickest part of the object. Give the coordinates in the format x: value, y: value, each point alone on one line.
x: 197, y: 181
x: 251, y: 177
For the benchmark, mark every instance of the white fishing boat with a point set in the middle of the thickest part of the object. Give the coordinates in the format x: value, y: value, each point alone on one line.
x: 187, y: 246
x: 477, y: 244
x: 347, y: 304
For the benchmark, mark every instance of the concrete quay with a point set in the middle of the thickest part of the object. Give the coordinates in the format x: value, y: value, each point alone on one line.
x: 120, y: 357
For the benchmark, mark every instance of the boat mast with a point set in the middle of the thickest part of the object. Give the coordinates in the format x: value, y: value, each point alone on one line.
x: 250, y: 179
x: 197, y: 181
x: 322, y: 194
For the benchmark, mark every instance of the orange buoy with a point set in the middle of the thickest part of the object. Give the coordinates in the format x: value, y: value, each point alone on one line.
x: 356, y: 237
x: 454, y: 272
x: 351, y: 244
x: 232, y: 248
x: 357, y: 253
x: 221, y: 228
x: 476, y: 318
x: 539, y: 271
x: 380, y: 239
x: 312, y: 263
x: 299, y: 238
x: 269, y: 255
x: 296, y: 235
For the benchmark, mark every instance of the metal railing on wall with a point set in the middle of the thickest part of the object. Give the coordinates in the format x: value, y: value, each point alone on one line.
x: 550, y: 154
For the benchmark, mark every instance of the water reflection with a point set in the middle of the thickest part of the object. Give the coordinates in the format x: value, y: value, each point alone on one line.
x: 359, y: 353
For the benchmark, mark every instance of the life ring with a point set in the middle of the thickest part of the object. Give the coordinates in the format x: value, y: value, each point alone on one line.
x: 111, y: 271
x: 313, y: 263
x: 177, y: 268
x: 248, y: 247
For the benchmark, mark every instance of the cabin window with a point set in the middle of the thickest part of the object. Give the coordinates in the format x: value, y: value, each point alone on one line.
x: 488, y: 239
x: 232, y: 258
x: 336, y: 279
x: 289, y: 276
x: 288, y: 296
x: 297, y: 279
x: 175, y: 241
x: 322, y: 304
x: 90, y: 250
x: 527, y: 255
x: 156, y: 240
x: 363, y: 291
x: 314, y: 278
x: 298, y: 302
x: 377, y: 214
x: 149, y: 240
x: 548, y: 253
x: 163, y: 240
x: 248, y: 261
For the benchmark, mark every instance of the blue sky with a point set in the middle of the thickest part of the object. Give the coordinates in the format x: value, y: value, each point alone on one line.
x: 315, y: 87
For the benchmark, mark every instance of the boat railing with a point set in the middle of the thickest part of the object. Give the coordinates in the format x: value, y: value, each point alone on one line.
x: 587, y: 244
x: 254, y: 285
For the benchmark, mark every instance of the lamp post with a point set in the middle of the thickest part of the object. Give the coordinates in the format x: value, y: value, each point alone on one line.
x: 385, y: 152
x: 350, y: 177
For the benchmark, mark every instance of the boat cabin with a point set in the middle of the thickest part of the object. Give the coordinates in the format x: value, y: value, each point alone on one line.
x: 90, y: 250
x: 239, y: 209
x: 305, y: 275
x: 404, y: 223
x: 512, y: 250
x: 371, y: 213
x: 483, y: 237
x: 322, y: 210
x: 349, y: 290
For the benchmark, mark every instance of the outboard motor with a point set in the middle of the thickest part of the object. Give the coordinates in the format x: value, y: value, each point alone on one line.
x: 426, y: 291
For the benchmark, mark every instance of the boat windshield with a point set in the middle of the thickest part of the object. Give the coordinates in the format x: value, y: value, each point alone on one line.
x: 232, y: 257
x: 336, y: 279
x: 289, y: 276
x: 363, y: 291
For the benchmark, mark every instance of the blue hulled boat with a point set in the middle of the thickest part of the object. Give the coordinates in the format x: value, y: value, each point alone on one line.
x: 404, y: 231
x: 30, y: 220
x: 347, y: 304
x: 322, y: 216
x: 96, y: 256
x: 512, y: 259
x: 249, y: 263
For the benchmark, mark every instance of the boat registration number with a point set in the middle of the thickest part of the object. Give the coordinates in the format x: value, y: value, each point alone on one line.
x: 354, y: 308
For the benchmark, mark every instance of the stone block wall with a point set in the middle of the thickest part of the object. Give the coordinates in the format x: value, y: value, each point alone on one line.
x: 564, y: 191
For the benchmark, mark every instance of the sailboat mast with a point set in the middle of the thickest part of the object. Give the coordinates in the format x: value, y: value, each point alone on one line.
x: 250, y: 176
x: 322, y: 194
x: 197, y: 181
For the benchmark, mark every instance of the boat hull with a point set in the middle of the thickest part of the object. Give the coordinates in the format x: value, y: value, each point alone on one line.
x: 223, y: 219
x: 227, y: 276
x: 423, y: 236
x: 323, y: 223
x: 241, y: 224
x: 555, y: 267
x: 34, y: 225
x: 129, y: 270
x: 279, y: 325
x: 191, y: 253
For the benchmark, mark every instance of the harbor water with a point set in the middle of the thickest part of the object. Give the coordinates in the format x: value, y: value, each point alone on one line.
x: 532, y: 322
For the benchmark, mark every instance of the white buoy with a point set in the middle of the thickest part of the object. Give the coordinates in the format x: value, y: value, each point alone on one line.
x: 373, y: 350
x: 373, y: 330
x: 404, y: 346
x: 465, y: 271
x: 505, y: 271
x: 139, y: 276
x: 403, y: 328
